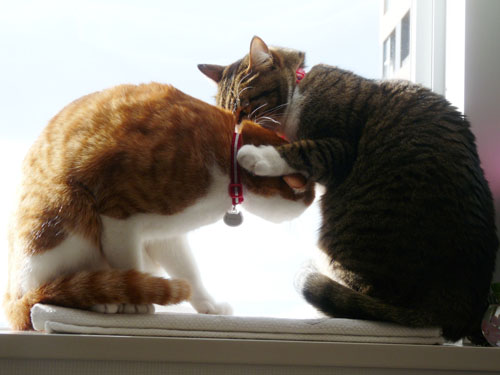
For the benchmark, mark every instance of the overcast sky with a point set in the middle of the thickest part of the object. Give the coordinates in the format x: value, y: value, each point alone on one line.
x: 54, y: 51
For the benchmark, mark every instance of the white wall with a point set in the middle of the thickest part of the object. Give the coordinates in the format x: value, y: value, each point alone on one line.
x: 482, y: 88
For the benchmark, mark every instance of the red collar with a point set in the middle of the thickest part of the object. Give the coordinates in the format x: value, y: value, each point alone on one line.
x: 300, y: 73
x: 235, y: 187
x: 233, y: 217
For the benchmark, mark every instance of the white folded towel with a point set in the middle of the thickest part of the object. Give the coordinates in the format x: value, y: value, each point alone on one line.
x: 64, y: 320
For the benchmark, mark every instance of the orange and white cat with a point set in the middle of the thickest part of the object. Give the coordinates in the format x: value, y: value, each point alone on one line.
x: 111, y: 188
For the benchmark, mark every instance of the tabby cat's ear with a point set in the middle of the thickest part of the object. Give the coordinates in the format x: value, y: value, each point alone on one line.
x: 214, y: 72
x: 260, y: 56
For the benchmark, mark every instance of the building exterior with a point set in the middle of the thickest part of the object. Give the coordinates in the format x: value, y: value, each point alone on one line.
x: 413, y: 41
x: 395, y: 35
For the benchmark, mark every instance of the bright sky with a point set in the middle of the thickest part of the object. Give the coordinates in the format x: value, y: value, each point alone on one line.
x: 54, y: 51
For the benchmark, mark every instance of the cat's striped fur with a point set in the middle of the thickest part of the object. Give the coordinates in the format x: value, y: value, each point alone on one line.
x: 407, y: 216
x: 109, y: 191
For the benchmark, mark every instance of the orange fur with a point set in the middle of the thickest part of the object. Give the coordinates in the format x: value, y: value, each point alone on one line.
x: 88, y: 288
x: 116, y: 153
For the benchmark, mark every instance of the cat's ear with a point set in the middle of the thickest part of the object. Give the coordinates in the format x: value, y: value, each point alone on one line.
x: 214, y: 72
x: 260, y: 56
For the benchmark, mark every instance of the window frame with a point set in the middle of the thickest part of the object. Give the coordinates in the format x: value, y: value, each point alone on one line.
x: 79, y: 353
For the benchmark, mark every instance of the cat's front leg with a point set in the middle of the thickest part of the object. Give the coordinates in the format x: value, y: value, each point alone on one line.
x: 175, y: 256
x: 327, y: 160
x: 263, y: 161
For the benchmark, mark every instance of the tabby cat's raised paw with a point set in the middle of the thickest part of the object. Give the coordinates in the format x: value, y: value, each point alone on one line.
x: 263, y: 161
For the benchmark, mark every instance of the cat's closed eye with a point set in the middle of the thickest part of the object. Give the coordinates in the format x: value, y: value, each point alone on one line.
x: 243, y: 109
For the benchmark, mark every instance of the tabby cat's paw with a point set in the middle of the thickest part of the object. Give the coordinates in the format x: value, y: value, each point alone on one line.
x: 263, y: 161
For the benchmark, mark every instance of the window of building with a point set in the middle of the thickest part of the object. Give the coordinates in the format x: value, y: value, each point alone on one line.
x: 405, y: 38
x: 418, y: 31
x: 390, y: 55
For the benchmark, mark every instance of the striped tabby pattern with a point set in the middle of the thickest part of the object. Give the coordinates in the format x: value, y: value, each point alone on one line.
x: 407, y: 216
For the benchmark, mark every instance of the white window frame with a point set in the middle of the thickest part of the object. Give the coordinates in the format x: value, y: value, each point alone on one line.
x: 83, y: 354
x: 428, y: 41
x: 455, y: 53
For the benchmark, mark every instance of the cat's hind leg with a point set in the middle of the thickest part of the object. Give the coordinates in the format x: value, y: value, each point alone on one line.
x: 175, y: 256
x: 123, y: 248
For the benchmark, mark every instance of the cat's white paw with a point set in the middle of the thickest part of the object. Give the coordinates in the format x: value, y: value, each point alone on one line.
x: 207, y: 306
x: 128, y: 308
x: 106, y: 308
x: 263, y: 161
x: 123, y: 308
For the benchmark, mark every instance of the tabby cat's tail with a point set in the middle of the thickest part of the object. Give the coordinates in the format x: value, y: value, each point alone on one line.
x: 88, y: 288
x: 340, y: 301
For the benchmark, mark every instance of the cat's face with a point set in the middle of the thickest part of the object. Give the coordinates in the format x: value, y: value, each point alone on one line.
x: 259, y: 86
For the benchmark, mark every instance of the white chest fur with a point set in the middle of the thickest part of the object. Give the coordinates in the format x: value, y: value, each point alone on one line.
x: 124, y: 240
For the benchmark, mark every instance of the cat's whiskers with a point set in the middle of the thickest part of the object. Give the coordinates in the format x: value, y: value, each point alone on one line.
x: 274, y: 109
x: 243, y: 78
x: 246, y: 88
x: 255, y: 110
x: 238, y: 102
x: 238, y: 92
x: 270, y: 119
x: 269, y: 116
x: 268, y: 122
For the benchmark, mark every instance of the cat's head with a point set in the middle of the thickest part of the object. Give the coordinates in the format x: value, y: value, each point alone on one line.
x: 259, y: 86
x: 273, y: 198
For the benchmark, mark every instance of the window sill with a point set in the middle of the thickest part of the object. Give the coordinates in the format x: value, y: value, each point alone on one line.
x: 19, y: 349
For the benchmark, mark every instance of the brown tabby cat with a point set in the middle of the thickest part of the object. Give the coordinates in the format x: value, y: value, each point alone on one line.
x: 109, y: 191
x: 408, y: 219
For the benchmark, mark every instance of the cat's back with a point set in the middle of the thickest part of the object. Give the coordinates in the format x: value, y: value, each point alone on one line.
x: 116, y: 152
x: 417, y: 179
x: 120, y: 126
x: 90, y: 123
x: 122, y: 113
x: 416, y: 131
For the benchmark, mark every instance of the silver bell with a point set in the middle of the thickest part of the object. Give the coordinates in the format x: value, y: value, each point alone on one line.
x: 233, y: 217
